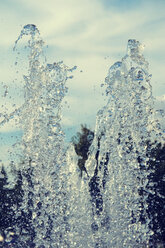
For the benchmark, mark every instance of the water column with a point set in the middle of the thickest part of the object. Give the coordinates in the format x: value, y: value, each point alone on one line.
x: 79, y: 205
x: 42, y: 144
x: 119, y: 156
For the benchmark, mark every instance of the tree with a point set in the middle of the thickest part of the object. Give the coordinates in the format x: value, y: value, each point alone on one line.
x: 156, y: 199
x: 9, y: 203
x: 10, y: 221
x: 82, y: 141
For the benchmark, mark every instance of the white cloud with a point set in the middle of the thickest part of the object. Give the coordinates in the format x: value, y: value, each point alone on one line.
x: 160, y: 102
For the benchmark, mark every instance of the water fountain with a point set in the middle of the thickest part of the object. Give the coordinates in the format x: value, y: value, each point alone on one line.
x: 42, y: 145
x: 120, y: 155
x: 108, y: 208
x: 55, y: 201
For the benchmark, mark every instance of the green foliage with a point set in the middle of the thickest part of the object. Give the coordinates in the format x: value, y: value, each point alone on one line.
x: 82, y: 141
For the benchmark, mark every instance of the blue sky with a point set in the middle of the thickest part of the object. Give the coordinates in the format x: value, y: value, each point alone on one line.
x: 91, y: 34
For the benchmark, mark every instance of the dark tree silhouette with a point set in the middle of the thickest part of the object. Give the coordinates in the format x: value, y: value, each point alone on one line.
x: 10, y: 221
x: 156, y: 199
x: 10, y: 200
x: 82, y: 141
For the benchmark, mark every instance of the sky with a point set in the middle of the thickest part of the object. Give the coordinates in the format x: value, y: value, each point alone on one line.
x: 91, y: 34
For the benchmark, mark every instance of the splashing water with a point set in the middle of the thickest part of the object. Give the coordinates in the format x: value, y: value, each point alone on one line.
x: 119, y: 154
x: 109, y: 208
x: 79, y: 205
x: 54, y: 198
x: 56, y: 206
x: 43, y: 148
